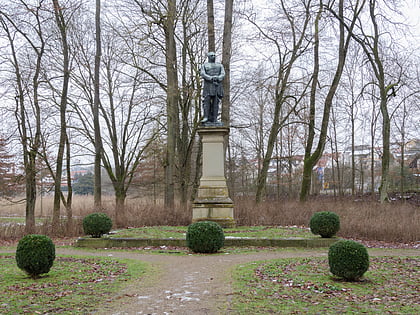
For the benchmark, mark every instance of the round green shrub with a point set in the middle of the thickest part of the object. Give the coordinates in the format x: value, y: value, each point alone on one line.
x: 35, y: 254
x: 97, y: 224
x: 348, y: 259
x: 205, y: 237
x: 325, y: 223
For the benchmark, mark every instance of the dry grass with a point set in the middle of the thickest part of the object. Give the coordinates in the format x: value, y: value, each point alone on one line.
x: 81, y: 206
x: 369, y: 220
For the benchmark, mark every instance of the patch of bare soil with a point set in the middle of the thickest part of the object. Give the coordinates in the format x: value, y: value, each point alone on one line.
x: 194, y: 284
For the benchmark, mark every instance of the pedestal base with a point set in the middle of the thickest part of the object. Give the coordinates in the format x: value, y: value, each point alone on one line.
x: 213, y: 202
x: 221, y: 213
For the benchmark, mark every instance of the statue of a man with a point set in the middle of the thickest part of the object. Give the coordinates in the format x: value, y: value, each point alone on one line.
x: 213, y: 73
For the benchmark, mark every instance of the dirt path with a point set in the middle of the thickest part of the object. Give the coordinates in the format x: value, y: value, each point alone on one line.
x: 195, y: 284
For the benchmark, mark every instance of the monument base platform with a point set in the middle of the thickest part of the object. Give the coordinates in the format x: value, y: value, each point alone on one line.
x: 213, y: 202
x: 221, y: 213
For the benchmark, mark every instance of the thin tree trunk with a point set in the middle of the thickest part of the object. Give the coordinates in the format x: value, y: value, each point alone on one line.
x: 383, y: 89
x: 402, y: 186
x: 97, y: 192
x: 307, y: 166
x: 210, y: 26
x: 372, y: 154
x: 353, y: 162
x: 68, y: 203
x: 30, y: 169
x: 61, y: 24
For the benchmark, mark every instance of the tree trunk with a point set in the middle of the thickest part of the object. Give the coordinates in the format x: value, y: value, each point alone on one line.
x: 97, y: 192
x: 69, y: 200
x: 171, y: 105
x: 372, y: 153
x: 226, y: 56
x: 402, y: 181
x: 30, y: 169
x: 353, y: 162
x: 386, y: 132
x: 376, y: 62
x: 210, y: 26
x: 61, y: 24
x: 120, y: 210
x: 308, y: 163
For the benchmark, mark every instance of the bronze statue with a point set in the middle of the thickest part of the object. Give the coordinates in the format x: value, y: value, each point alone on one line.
x: 213, y: 73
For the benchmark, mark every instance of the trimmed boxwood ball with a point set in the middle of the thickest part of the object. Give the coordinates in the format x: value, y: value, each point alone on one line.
x: 348, y: 259
x: 205, y: 237
x: 35, y: 254
x: 97, y: 224
x: 325, y: 223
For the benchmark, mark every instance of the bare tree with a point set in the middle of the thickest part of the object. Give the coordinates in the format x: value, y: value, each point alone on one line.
x: 311, y: 158
x: 386, y: 83
x: 177, y: 49
x: 127, y: 136
x: 29, y: 27
x: 287, y: 55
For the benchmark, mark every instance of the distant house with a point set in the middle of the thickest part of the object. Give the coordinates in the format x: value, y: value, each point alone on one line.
x: 362, y: 154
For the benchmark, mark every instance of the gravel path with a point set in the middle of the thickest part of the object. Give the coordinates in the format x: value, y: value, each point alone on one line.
x: 195, y: 284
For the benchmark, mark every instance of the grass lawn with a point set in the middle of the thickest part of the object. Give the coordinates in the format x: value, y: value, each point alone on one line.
x: 305, y: 286
x: 12, y: 220
x: 74, y: 285
x: 242, y: 231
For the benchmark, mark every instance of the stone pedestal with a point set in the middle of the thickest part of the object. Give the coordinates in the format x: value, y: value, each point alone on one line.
x: 213, y: 202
